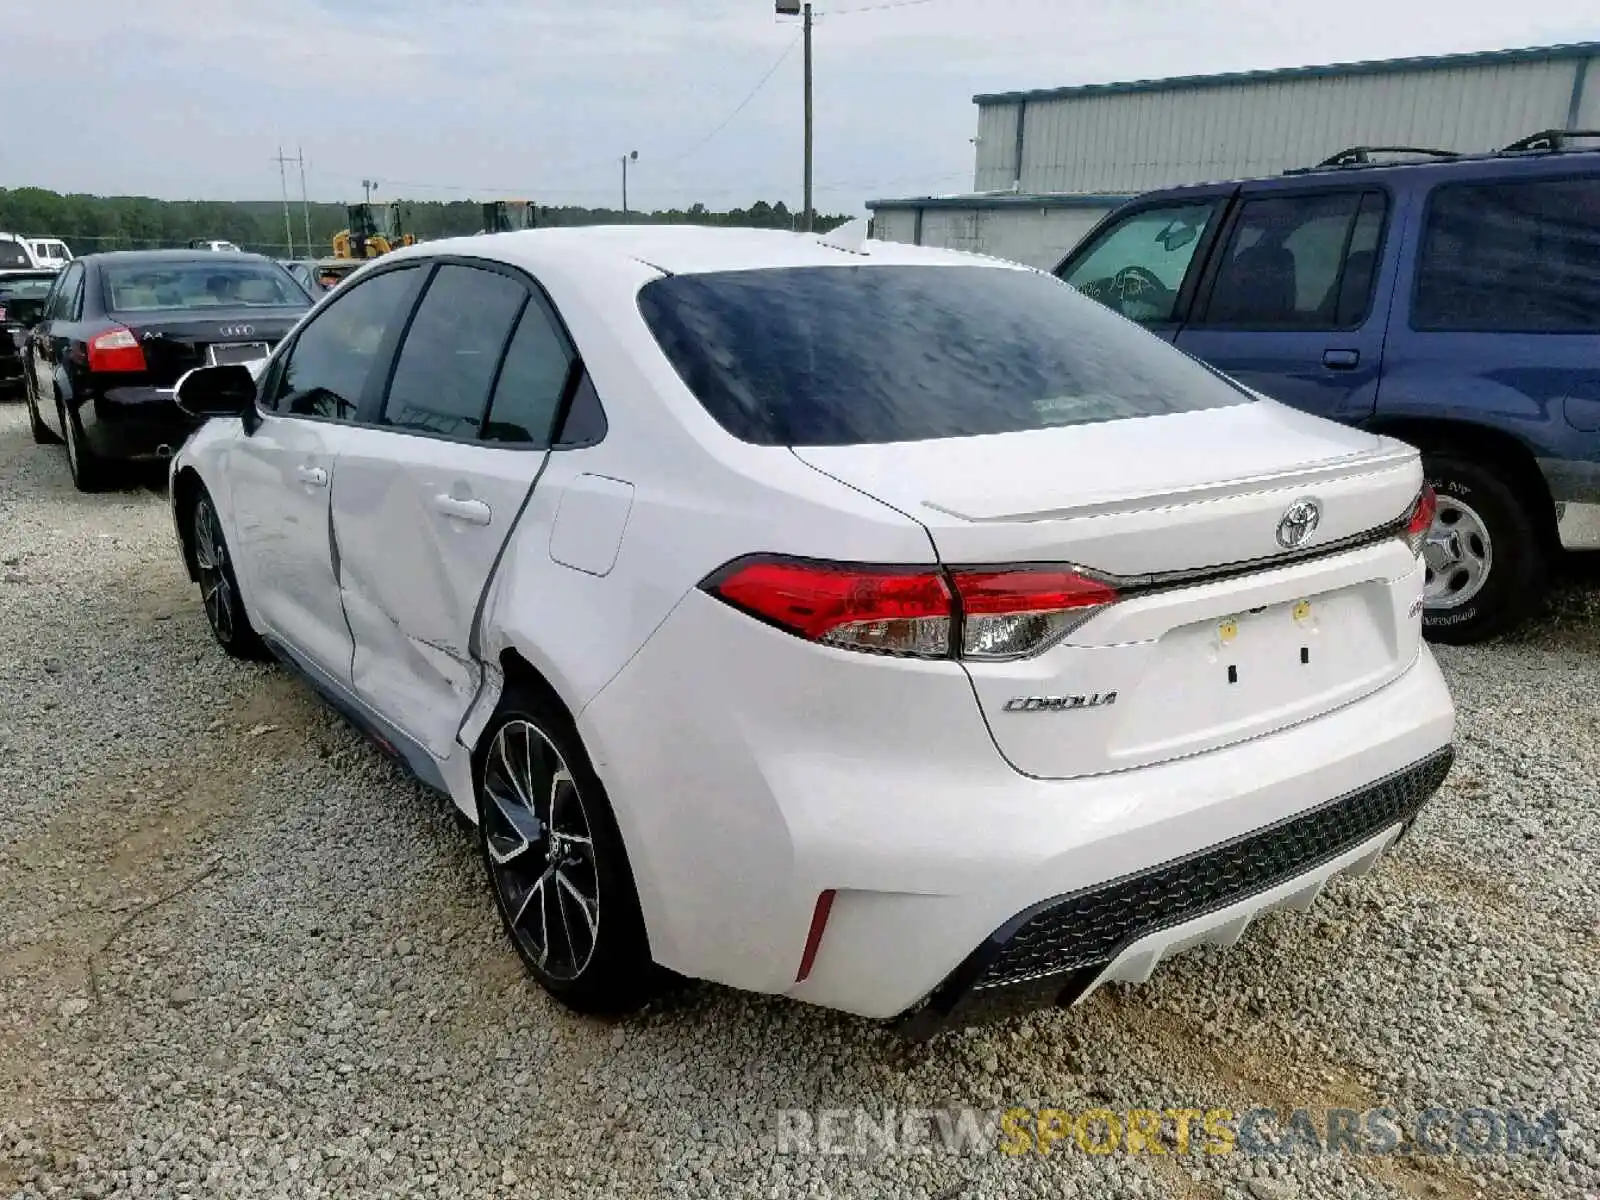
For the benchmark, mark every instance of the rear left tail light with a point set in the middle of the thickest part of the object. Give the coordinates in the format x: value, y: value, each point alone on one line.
x: 1419, y: 519
x: 915, y: 612
x: 116, y: 350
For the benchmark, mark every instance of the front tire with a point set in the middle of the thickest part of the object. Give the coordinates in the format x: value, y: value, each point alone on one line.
x: 1487, y: 566
x: 219, y: 586
x: 556, y: 862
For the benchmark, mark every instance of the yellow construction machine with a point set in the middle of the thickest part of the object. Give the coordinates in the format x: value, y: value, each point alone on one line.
x: 366, y: 237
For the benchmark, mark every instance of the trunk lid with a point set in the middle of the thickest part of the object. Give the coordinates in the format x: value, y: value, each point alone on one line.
x: 178, y: 341
x: 1221, y: 634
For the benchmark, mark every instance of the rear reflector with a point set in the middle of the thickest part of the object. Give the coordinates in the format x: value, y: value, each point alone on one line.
x: 819, y: 923
x: 1419, y: 519
x: 116, y: 350
x: 914, y: 612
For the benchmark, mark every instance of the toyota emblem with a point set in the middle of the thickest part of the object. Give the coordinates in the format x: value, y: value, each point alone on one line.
x: 238, y: 330
x: 1298, y: 523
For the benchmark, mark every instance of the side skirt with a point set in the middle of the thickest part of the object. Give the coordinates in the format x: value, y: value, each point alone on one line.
x: 415, y: 760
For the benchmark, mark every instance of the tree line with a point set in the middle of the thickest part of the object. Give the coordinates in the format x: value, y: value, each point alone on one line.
x: 90, y: 223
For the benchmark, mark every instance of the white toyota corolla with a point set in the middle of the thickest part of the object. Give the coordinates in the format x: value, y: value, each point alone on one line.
x: 889, y: 628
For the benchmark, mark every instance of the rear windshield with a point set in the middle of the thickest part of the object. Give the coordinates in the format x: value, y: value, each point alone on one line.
x: 138, y: 287
x: 26, y: 289
x: 13, y: 254
x: 831, y: 356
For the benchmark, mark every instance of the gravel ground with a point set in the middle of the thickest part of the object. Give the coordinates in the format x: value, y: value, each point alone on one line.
x: 240, y: 955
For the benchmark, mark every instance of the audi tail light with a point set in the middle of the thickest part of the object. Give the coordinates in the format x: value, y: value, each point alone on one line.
x: 116, y: 350
x: 1419, y: 518
x: 915, y: 612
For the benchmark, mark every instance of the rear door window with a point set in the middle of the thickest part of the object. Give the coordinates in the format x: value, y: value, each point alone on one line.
x: 13, y: 254
x: 1514, y: 257
x: 452, y: 352
x: 829, y: 356
x: 1298, y: 262
x: 1137, y: 265
x: 532, y: 381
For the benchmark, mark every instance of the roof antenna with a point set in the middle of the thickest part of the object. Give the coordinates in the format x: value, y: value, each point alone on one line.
x: 851, y: 237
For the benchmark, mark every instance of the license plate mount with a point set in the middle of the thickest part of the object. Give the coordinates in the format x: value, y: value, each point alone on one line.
x: 222, y: 354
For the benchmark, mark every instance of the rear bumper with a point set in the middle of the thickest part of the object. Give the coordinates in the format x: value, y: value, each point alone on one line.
x: 743, y: 790
x: 135, y: 423
x: 1061, y: 949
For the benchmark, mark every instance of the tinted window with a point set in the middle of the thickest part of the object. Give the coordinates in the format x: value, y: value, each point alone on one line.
x: 13, y: 255
x: 451, y: 352
x: 1512, y: 256
x: 199, y: 285
x: 328, y: 365
x: 1283, y: 266
x: 1138, y: 265
x: 585, y: 422
x: 27, y: 288
x: 67, y: 299
x: 531, y: 382
x: 817, y: 356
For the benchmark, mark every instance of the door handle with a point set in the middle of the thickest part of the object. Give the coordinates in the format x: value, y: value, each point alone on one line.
x: 473, y: 512
x: 315, y: 476
x: 1341, y: 360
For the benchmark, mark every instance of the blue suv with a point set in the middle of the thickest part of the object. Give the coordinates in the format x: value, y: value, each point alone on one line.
x: 1447, y: 299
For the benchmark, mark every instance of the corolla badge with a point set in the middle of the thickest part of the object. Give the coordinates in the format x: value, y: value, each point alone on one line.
x: 1298, y: 523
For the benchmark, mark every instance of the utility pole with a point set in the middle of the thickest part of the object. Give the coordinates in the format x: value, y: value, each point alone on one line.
x: 793, y: 8
x: 808, y: 216
x: 283, y: 184
x: 305, y: 200
x: 631, y: 156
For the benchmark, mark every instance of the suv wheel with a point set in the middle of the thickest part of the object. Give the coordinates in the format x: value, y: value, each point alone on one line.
x: 1486, y: 562
x: 556, y: 862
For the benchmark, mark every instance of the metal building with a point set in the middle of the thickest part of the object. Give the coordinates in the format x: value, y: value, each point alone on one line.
x: 1050, y: 163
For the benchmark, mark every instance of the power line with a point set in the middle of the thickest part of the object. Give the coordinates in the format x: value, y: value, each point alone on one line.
x: 844, y: 12
x: 742, y: 105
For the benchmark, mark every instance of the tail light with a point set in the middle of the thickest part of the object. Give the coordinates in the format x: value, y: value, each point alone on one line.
x: 1419, y: 519
x: 116, y: 350
x: 915, y: 612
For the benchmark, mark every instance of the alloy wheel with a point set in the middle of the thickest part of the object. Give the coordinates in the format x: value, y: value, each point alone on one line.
x: 211, y: 562
x: 1457, y: 553
x: 541, y: 850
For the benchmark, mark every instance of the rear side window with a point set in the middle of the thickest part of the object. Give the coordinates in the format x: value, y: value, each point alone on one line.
x: 327, y: 367
x: 1298, y: 262
x: 1137, y: 265
x: 828, y: 356
x: 13, y: 255
x: 531, y: 383
x: 1512, y: 257
x: 452, y: 351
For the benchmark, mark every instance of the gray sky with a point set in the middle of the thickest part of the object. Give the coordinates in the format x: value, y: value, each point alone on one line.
x: 189, y: 98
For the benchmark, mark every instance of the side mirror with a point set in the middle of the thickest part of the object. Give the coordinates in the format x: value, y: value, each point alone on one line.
x: 226, y: 391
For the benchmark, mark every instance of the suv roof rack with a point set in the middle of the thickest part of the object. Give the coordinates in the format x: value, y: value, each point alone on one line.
x: 1362, y: 155
x: 1549, y: 139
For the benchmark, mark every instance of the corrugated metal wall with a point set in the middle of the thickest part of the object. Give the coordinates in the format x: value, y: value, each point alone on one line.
x: 1133, y: 140
x: 1039, y: 237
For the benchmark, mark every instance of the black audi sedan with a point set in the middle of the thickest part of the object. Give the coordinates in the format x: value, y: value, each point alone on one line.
x: 22, y: 294
x: 118, y: 330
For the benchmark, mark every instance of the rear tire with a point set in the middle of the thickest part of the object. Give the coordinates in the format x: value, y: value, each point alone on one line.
x: 89, y: 471
x: 1488, y: 567
x: 556, y: 861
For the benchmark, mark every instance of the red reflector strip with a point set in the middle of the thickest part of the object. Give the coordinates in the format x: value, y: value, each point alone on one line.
x: 1423, y: 512
x: 819, y: 922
